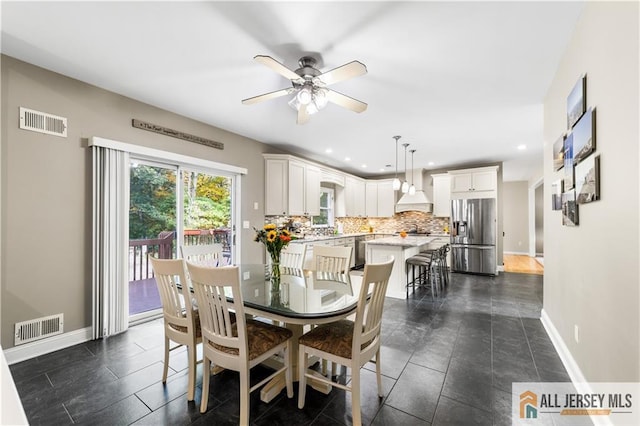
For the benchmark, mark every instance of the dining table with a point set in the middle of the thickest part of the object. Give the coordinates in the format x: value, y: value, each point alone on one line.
x: 297, y: 298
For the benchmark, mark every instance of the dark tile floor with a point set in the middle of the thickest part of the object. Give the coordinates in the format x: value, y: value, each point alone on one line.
x: 449, y: 362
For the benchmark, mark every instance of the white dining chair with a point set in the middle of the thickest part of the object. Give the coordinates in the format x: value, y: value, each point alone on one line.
x: 350, y: 343
x: 204, y: 254
x: 238, y: 344
x: 332, y: 258
x: 293, y: 255
x: 181, y: 320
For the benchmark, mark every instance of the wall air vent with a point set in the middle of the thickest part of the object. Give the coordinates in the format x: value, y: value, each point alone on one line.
x: 43, y: 122
x: 36, y: 329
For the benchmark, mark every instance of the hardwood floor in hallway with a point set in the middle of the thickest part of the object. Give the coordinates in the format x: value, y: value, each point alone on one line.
x: 522, y: 264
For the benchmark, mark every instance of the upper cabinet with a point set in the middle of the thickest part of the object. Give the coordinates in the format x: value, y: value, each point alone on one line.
x: 441, y: 195
x: 481, y: 182
x: 354, y: 196
x: 291, y: 187
x: 380, y: 198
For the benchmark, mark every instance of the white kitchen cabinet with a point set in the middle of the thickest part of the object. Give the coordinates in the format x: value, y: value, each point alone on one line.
x: 386, y: 198
x: 355, y: 197
x: 371, y: 202
x: 481, y: 182
x: 292, y: 187
x: 276, y: 187
x: 441, y: 195
x: 380, y: 198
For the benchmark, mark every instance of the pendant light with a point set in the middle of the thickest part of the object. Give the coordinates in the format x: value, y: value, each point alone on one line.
x: 412, y: 188
x: 405, y: 184
x: 396, y: 181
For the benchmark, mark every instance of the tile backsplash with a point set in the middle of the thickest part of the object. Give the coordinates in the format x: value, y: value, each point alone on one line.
x: 406, y: 221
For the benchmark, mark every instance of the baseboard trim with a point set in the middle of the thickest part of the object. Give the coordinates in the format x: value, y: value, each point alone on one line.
x: 45, y: 346
x: 578, y: 379
x: 519, y: 253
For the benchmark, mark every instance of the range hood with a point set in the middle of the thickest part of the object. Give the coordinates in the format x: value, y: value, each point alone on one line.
x: 418, y: 201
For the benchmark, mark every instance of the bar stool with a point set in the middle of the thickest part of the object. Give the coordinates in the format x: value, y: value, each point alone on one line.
x: 424, y: 263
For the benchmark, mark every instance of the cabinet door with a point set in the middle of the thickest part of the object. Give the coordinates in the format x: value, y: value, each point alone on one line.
x: 461, y: 182
x: 441, y: 196
x: 386, y: 199
x: 371, y: 189
x: 359, y: 200
x: 296, y: 188
x: 312, y: 190
x: 276, y: 186
x: 484, y: 181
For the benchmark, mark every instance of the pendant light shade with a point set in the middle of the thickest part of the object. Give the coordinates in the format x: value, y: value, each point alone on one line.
x: 405, y: 184
x: 412, y: 188
x: 396, y: 181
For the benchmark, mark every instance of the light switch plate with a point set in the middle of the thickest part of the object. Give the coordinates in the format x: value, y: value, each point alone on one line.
x: 246, y: 275
x: 255, y: 205
x: 246, y: 224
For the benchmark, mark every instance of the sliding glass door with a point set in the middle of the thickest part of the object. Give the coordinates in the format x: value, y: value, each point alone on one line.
x: 166, y: 212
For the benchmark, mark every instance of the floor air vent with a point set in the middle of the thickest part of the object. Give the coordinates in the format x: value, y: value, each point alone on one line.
x: 28, y: 331
x: 43, y: 122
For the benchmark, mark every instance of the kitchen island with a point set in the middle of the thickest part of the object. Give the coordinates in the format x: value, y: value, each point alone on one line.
x: 379, y: 250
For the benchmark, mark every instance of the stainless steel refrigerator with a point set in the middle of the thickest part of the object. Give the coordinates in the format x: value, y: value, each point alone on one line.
x: 473, y: 236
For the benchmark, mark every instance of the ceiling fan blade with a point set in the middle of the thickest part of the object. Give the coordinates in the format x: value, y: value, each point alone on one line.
x: 267, y: 96
x: 344, y: 72
x: 303, y: 116
x: 277, y: 67
x: 345, y: 101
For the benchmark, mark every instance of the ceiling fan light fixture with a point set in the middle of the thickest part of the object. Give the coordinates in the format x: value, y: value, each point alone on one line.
x: 305, y: 96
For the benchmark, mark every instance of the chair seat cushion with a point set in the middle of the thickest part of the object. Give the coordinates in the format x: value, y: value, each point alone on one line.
x: 335, y: 338
x: 261, y: 338
x: 183, y: 329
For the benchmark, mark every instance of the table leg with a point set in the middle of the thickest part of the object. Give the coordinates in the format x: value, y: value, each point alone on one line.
x: 275, y: 385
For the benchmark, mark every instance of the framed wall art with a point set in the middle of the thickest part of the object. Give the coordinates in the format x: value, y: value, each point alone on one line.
x: 558, y: 153
x: 584, y: 136
x: 577, y: 101
x: 587, y: 175
x: 569, y: 208
x: 556, y: 195
x: 568, y: 162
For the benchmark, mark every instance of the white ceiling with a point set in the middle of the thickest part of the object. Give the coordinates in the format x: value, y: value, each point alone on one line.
x: 462, y: 82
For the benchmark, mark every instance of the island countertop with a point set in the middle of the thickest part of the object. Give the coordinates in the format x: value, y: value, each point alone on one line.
x: 409, y: 241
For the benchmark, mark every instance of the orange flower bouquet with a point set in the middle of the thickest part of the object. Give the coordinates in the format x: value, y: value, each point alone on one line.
x: 274, y: 239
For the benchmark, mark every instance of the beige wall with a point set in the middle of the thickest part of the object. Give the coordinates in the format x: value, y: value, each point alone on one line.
x: 516, y: 217
x: 46, y: 188
x: 591, y: 271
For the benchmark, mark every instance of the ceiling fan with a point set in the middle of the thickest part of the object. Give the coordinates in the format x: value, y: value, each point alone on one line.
x: 309, y: 86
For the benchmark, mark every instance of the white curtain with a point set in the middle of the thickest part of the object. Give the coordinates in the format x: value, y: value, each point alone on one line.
x: 110, y: 277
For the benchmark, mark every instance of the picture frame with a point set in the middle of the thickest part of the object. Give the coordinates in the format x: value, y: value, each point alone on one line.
x: 558, y: 153
x: 568, y: 162
x: 584, y: 136
x: 569, y: 208
x: 577, y: 101
x: 587, y: 175
x: 557, y: 189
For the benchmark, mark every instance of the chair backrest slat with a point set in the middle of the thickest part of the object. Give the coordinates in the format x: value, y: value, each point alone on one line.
x: 292, y: 255
x: 332, y: 259
x: 204, y: 254
x: 371, y: 302
x: 174, y: 292
x: 212, y: 287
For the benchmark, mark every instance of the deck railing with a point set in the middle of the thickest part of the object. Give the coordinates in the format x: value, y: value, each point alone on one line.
x: 163, y: 247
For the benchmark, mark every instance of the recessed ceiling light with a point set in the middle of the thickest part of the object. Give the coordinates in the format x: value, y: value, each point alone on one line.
x: 522, y: 147
x: 364, y: 166
x: 431, y: 163
x: 382, y: 170
x: 347, y: 159
x: 328, y: 150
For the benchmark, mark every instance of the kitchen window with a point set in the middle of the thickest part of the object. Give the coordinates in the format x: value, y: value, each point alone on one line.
x: 325, y: 219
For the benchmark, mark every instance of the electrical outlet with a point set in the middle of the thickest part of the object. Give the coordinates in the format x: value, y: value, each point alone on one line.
x: 576, y: 333
x: 255, y: 205
x: 256, y: 292
x: 246, y: 275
